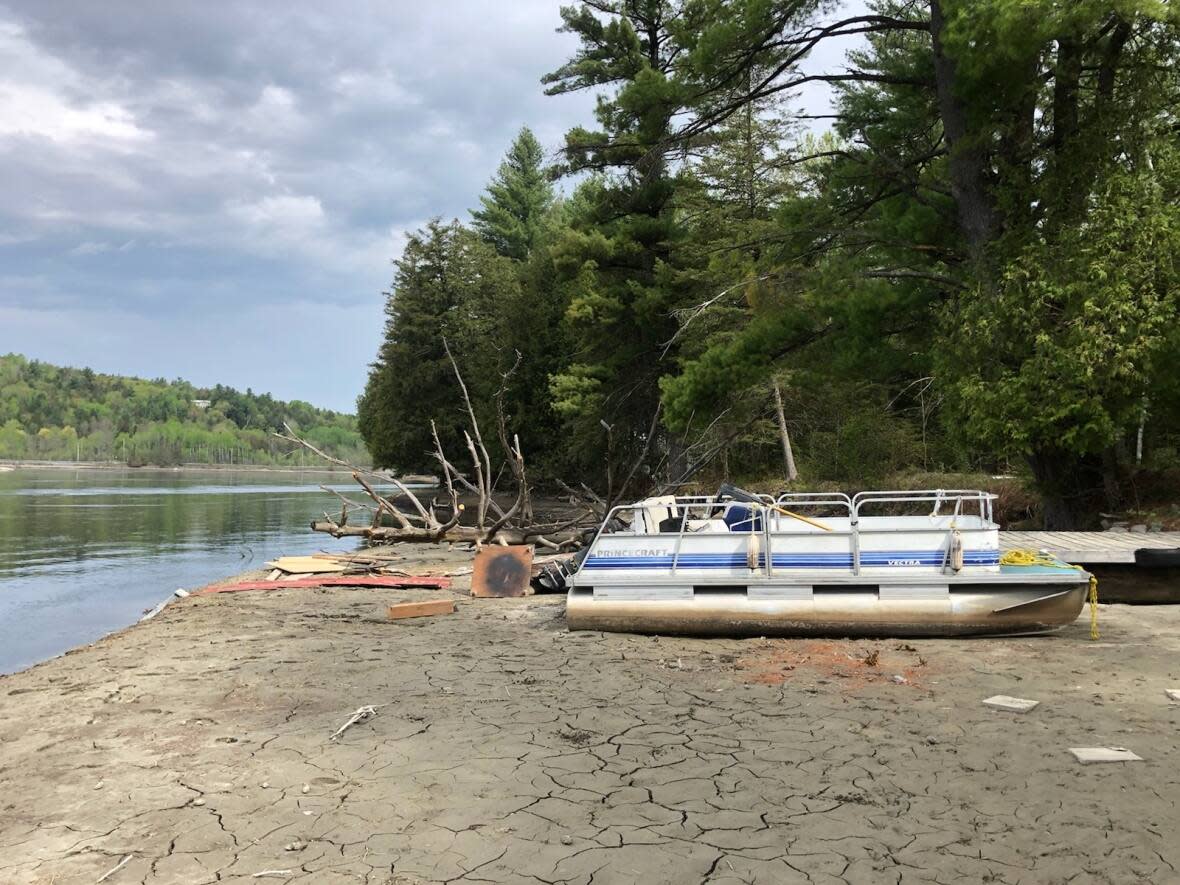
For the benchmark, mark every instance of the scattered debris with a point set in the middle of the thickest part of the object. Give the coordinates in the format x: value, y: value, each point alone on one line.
x: 262, y: 874
x: 502, y: 571
x: 898, y: 679
x: 358, y: 581
x: 198, y: 802
x: 306, y: 565
x: 275, y: 574
x: 306, y: 789
x: 1173, y: 693
x: 567, y: 840
x: 362, y: 714
x: 181, y: 593
x: 400, y: 610
x: 295, y: 846
x: 152, y: 612
x: 578, y: 737
x: 872, y: 657
x: 428, y: 523
x: 1086, y: 755
x: 116, y: 869
x: 1010, y: 704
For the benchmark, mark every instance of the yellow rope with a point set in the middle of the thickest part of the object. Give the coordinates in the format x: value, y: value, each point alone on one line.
x: 1034, y: 557
x: 1093, y: 608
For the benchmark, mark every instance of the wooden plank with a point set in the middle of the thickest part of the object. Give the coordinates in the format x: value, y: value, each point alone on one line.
x: 427, y: 608
x: 307, y: 565
x: 437, y: 583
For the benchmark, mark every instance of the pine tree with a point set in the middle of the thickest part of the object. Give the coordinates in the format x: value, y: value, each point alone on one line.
x: 517, y: 199
x: 617, y: 256
x: 449, y: 285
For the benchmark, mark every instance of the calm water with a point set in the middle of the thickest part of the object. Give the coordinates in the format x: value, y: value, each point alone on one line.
x: 84, y: 552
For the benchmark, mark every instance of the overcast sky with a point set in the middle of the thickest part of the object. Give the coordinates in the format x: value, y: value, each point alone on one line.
x: 215, y: 191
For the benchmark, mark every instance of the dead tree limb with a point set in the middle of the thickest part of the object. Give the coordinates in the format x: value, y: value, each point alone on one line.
x: 511, y: 525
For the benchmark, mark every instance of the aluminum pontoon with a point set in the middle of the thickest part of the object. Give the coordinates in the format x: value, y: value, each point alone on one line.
x: 896, y: 563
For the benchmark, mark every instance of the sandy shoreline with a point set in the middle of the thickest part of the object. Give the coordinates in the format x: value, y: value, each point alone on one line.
x: 507, y: 749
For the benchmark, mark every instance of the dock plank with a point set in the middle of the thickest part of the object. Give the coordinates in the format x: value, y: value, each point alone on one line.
x: 1081, y: 548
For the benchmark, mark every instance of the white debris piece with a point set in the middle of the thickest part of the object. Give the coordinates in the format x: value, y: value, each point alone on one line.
x: 1173, y: 693
x: 151, y: 613
x: 1104, y: 754
x: 1010, y: 704
x: 362, y: 714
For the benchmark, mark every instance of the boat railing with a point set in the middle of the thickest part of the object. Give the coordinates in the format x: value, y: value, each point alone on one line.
x: 837, y: 501
x: 957, y: 501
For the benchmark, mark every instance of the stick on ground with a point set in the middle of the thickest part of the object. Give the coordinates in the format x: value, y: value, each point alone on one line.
x: 116, y: 869
x: 362, y: 714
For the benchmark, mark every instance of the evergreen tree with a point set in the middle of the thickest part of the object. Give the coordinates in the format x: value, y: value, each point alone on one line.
x: 450, y: 285
x: 517, y: 199
x: 617, y: 256
x: 983, y: 139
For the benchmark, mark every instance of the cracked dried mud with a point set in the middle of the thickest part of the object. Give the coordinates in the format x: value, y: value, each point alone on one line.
x: 507, y: 749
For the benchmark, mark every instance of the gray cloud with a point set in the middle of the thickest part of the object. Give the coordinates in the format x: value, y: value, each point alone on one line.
x: 216, y: 190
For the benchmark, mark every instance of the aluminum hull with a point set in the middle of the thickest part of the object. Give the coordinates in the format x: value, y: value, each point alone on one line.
x: 970, y: 609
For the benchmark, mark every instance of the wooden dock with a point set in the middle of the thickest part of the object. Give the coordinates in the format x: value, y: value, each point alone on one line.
x: 1090, y: 548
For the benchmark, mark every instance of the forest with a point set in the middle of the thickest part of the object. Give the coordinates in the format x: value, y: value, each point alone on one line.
x: 62, y: 414
x: 969, y: 266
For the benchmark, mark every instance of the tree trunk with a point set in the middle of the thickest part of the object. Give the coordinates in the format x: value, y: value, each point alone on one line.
x: 1056, y: 477
x: 788, y: 456
x: 967, y: 160
x: 1139, y: 435
x: 1112, y: 478
x: 456, y: 534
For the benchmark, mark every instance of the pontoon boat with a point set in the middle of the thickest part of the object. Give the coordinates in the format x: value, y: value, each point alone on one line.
x: 896, y: 563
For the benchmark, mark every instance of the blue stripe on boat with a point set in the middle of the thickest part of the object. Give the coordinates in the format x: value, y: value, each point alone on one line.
x: 871, y: 558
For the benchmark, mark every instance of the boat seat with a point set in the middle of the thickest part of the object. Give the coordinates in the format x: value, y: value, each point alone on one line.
x: 656, y: 511
x: 707, y: 525
x: 740, y: 518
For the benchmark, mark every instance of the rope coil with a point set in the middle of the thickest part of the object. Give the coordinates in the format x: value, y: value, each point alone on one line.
x: 1035, y: 557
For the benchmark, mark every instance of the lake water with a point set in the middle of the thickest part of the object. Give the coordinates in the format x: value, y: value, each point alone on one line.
x: 85, y: 552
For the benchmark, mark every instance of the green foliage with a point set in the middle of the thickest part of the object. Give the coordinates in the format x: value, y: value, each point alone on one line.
x: 52, y: 413
x: 707, y: 384
x: 975, y: 267
x: 1062, y: 352
x: 987, y: 226
x: 451, y: 287
x: 618, y: 257
x: 517, y: 200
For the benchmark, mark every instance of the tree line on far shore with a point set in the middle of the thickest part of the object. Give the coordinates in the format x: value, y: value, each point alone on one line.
x: 974, y: 269
x: 53, y: 413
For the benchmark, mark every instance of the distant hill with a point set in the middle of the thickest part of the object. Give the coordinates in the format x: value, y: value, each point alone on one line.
x: 55, y: 413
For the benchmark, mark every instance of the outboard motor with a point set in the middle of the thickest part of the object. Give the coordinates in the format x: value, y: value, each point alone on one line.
x: 554, y: 574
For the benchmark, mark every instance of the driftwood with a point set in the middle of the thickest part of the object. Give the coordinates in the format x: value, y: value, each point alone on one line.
x: 362, y: 714
x: 488, y: 523
x: 486, y: 520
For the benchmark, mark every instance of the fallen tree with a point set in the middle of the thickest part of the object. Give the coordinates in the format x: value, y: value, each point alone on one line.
x: 489, y: 521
